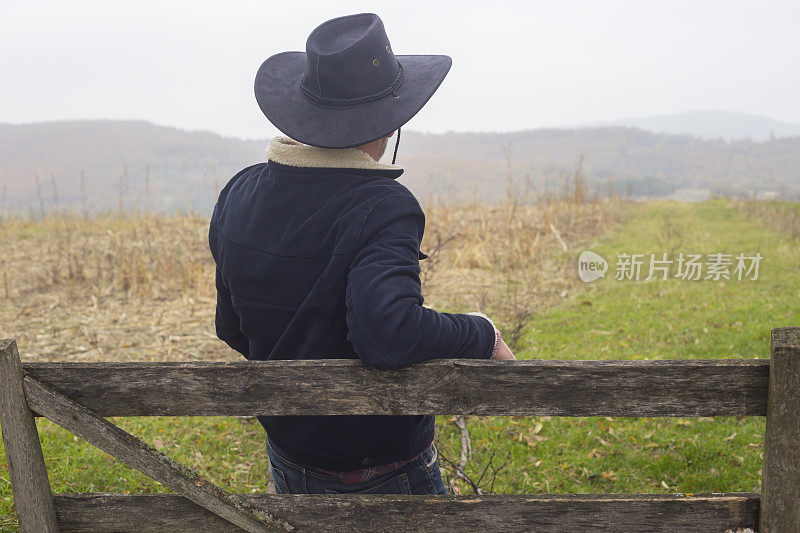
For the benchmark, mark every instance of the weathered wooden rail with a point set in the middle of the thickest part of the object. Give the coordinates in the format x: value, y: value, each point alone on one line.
x: 77, y: 396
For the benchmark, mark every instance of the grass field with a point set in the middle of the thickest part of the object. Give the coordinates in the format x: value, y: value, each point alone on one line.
x: 675, y: 318
x: 608, y: 319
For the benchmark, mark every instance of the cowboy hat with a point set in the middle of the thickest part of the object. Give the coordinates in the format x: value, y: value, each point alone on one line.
x: 348, y: 88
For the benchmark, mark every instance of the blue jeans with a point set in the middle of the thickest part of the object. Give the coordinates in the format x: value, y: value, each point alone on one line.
x: 420, y: 476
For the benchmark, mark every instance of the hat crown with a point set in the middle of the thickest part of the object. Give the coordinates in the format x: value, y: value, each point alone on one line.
x: 349, y: 58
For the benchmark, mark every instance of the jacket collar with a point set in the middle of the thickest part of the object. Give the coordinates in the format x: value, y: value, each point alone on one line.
x: 286, y: 151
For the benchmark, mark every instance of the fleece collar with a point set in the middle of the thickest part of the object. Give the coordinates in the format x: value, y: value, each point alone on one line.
x: 287, y: 151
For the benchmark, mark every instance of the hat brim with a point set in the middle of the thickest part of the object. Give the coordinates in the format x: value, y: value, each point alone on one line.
x: 280, y: 98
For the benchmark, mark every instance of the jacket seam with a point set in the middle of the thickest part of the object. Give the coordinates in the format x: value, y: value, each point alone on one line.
x: 365, y: 334
x: 327, y: 333
x: 372, y: 209
x: 273, y: 252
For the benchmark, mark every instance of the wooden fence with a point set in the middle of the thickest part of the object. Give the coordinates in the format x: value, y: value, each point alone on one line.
x: 77, y: 396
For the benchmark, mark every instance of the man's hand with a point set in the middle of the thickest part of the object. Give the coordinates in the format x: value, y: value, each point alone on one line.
x: 503, y: 352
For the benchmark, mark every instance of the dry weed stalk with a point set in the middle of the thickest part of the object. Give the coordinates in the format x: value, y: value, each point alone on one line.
x: 509, y: 260
x: 457, y: 470
x: 781, y: 216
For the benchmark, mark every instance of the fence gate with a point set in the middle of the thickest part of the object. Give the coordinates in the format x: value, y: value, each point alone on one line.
x: 77, y: 396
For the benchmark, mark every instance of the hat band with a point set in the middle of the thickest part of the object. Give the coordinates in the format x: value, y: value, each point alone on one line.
x: 358, y: 101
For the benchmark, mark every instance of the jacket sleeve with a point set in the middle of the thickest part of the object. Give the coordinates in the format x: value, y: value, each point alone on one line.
x: 387, y: 323
x: 227, y: 321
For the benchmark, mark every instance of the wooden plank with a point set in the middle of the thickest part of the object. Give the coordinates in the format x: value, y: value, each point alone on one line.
x: 447, y: 386
x: 33, y: 500
x: 649, y: 513
x: 146, y: 459
x: 781, y: 471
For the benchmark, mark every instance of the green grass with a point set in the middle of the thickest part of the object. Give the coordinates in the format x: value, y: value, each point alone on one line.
x: 229, y: 451
x: 608, y: 319
x: 678, y: 318
x: 674, y: 318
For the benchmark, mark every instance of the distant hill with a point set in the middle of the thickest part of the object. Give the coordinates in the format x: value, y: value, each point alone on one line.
x: 138, y: 164
x: 714, y: 125
x: 132, y: 161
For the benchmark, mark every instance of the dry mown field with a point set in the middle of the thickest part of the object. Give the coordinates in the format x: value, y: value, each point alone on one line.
x: 140, y: 286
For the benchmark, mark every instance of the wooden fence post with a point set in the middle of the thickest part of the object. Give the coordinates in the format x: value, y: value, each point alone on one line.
x: 32, y: 497
x: 780, y: 481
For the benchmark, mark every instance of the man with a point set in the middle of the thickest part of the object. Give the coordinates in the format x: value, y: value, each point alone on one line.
x: 317, y: 254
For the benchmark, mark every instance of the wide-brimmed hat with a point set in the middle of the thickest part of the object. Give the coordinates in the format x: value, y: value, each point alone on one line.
x: 348, y: 88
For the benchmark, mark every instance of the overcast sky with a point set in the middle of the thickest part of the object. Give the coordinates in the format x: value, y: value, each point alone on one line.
x: 516, y: 64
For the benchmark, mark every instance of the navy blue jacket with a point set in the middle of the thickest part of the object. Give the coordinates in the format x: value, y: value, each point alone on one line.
x: 323, y: 263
